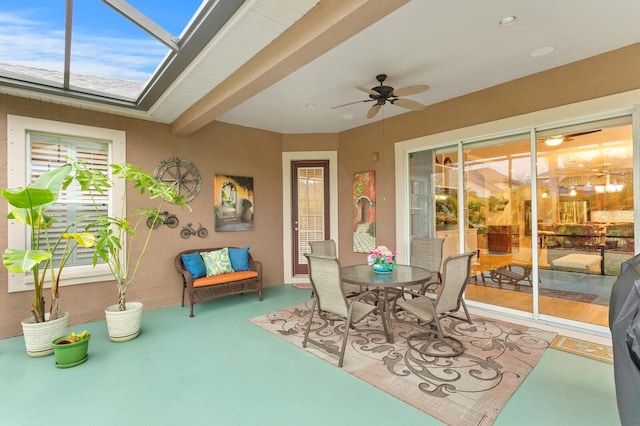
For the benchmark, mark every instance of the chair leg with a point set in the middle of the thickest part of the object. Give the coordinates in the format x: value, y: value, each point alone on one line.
x: 306, y: 334
x: 347, y: 326
x: 466, y: 311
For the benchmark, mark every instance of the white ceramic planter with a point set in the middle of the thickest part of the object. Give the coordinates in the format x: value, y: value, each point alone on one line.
x: 125, y: 325
x: 38, y: 336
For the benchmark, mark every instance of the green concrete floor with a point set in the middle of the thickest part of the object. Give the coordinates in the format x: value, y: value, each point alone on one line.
x: 219, y: 369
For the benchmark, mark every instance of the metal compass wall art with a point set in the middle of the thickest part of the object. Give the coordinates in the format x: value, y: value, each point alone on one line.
x: 181, y: 173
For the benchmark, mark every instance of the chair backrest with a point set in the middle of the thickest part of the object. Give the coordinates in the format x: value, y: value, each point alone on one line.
x: 427, y: 253
x: 455, y: 275
x: 324, y: 248
x: 326, y: 279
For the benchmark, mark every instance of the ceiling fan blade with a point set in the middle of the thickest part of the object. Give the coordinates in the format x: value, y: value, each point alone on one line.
x: 410, y: 90
x: 373, y: 110
x: 351, y: 103
x: 572, y: 135
x: 409, y: 104
x: 369, y: 91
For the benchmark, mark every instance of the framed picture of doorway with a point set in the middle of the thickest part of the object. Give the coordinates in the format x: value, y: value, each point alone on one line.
x: 364, y: 213
x: 233, y: 203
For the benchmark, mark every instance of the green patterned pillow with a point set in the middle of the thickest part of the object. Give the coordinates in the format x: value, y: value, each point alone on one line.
x: 217, y: 262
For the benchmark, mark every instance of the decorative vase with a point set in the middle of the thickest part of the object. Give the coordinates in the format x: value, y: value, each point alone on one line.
x: 246, y: 215
x: 39, y: 335
x: 381, y: 269
x: 124, y: 325
x: 69, y: 354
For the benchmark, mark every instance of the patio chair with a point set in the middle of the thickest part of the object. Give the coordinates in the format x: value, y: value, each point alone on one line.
x: 429, y: 311
x: 324, y: 248
x: 328, y: 248
x: 427, y: 253
x: 326, y: 280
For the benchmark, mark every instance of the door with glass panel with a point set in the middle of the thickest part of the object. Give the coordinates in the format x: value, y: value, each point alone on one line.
x: 585, y: 216
x: 310, y: 205
x: 497, y: 201
x: 550, y: 239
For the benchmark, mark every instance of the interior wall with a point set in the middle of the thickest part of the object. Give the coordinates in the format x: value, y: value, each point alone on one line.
x: 216, y: 149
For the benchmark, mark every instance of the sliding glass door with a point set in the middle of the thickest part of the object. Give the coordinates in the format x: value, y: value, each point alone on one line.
x: 585, y: 216
x: 497, y: 204
x: 549, y: 212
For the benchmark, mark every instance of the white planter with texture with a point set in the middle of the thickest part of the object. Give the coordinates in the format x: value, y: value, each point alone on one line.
x: 38, y: 336
x: 124, y: 325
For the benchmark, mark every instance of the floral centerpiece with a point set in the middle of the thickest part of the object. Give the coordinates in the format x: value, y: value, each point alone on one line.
x: 382, y: 259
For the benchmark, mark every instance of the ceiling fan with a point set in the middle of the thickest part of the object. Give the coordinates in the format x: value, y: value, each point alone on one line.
x: 382, y: 94
x: 558, y: 139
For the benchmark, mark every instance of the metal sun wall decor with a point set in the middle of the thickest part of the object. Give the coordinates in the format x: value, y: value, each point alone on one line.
x: 233, y: 203
x: 364, y: 215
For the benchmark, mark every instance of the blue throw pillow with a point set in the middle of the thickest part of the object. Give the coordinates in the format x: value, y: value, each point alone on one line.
x: 194, y: 264
x: 239, y: 258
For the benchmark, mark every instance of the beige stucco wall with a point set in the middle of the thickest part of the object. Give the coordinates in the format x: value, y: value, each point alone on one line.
x: 229, y: 149
x: 217, y: 148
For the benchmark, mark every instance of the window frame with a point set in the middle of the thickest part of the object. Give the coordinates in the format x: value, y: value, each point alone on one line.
x: 18, y: 176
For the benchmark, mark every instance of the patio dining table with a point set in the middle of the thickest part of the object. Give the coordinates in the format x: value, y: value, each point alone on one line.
x: 402, y: 276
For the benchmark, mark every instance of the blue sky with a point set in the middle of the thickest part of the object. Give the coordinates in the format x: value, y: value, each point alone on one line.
x: 104, y: 43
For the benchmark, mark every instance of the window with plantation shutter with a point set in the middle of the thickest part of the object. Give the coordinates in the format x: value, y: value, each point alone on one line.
x: 36, y: 146
x: 50, y: 151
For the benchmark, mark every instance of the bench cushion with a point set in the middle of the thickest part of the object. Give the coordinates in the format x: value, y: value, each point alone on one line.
x: 224, y: 278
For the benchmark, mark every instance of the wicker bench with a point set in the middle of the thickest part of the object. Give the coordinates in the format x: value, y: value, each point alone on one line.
x: 208, y: 288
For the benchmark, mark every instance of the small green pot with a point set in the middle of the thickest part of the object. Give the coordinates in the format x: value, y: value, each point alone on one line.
x: 69, y: 354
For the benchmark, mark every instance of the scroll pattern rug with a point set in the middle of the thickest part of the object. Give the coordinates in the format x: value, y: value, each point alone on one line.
x: 469, y: 389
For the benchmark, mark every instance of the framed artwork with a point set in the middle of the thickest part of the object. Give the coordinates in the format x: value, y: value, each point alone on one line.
x: 233, y: 203
x: 364, y: 214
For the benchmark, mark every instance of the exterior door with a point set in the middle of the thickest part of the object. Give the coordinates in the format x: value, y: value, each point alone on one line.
x: 310, y: 208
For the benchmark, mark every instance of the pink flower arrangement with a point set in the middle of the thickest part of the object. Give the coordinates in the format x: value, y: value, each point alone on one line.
x: 382, y: 256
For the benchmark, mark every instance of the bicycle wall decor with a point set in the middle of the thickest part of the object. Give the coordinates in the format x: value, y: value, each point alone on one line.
x: 188, y: 231
x: 170, y: 219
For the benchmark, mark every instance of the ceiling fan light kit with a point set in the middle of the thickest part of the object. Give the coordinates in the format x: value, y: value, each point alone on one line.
x: 554, y: 140
x: 382, y: 94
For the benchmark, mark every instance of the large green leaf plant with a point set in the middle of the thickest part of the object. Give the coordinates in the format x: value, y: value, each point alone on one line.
x: 29, y: 206
x: 109, y: 236
x: 115, y: 235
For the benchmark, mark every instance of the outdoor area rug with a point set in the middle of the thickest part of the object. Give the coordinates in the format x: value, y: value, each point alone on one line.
x: 469, y: 389
x: 582, y: 347
x: 303, y: 286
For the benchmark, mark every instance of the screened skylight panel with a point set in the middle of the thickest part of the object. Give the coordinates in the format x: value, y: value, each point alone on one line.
x: 110, y: 57
x: 32, y: 41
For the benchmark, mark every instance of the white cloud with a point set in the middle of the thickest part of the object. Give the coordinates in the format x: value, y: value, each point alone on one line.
x: 36, y: 43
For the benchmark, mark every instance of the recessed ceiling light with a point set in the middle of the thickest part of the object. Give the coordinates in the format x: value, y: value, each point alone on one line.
x: 541, y: 51
x: 310, y: 106
x: 507, y: 20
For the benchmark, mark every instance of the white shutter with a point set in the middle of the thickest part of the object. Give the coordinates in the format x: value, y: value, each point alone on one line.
x: 51, y: 151
x: 310, y: 208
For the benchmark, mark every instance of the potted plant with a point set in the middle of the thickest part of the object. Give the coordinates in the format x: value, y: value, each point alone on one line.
x: 29, y: 206
x: 115, y: 233
x: 71, y: 350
